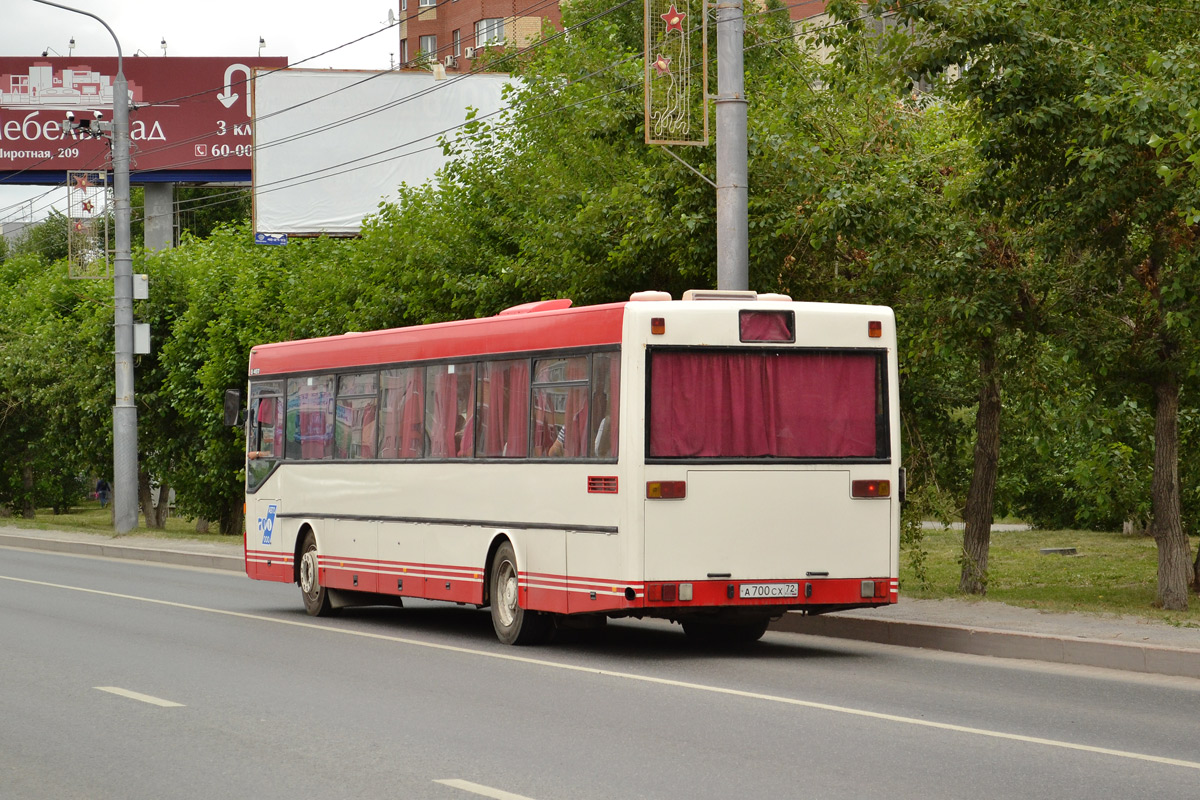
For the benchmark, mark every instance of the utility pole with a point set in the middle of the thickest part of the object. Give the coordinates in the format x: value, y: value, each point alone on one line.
x: 125, y: 453
x: 733, y: 240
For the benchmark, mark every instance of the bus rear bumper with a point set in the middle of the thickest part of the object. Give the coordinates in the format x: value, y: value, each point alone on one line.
x: 816, y: 594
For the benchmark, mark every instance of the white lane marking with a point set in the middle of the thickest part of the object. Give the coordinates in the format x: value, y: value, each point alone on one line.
x: 145, y: 698
x: 480, y: 789
x: 699, y: 687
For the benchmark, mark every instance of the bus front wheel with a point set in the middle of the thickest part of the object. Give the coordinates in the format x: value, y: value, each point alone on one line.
x: 316, y: 596
x: 513, y: 624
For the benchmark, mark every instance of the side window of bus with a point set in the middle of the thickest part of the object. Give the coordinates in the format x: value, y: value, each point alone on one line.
x: 310, y: 415
x: 560, y: 407
x: 354, y: 424
x: 402, y: 416
x: 450, y: 410
x: 503, y: 413
x: 264, y: 430
x: 606, y: 390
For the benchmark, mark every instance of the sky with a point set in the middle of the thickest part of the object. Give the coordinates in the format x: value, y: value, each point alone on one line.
x: 296, y: 29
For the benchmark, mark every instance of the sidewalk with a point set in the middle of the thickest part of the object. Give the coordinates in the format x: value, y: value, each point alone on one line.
x: 139, y: 547
x: 962, y: 626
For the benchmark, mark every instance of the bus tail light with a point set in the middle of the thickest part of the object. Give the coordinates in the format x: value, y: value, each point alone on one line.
x: 666, y: 490
x: 870, y: 488
x: 874, y: 589
x: 875, y: 329
x: 658, y: 325
x: 668, y: 592
x: 664, y: 592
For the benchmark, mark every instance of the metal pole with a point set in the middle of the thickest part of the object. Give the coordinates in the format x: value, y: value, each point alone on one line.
x: 733, y: 241
x: 125, y: 455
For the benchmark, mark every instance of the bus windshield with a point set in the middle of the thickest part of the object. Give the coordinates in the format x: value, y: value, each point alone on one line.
x: 727, y: 403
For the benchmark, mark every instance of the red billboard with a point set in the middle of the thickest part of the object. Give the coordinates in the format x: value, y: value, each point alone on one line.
x: 189, y: 117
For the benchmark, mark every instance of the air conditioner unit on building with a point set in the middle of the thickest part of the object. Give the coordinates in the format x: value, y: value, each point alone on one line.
x: 469, y: 52
x: 450, y: 61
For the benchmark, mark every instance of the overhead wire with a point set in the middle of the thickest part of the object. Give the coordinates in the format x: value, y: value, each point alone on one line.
x: 491, y: 64
x: 334, y: 170
x: 407, y: 98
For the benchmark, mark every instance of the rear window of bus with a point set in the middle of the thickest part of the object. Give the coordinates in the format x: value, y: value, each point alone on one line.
x: 766, y: 404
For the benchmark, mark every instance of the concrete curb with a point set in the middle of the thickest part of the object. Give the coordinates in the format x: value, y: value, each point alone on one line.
x: 1000, y: 643
x: 133, y: 552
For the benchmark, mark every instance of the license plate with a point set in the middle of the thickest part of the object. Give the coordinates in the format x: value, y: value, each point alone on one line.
x: 749, y: 591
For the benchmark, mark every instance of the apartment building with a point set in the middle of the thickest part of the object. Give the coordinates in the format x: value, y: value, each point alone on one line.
x: 454, y: 32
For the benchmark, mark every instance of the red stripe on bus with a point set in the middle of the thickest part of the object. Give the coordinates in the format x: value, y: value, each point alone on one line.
x: 587, y: 326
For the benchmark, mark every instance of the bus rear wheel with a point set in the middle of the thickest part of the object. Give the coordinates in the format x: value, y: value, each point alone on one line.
x: 513, y: 624
x: 316, y: 596
x: 726, y: 633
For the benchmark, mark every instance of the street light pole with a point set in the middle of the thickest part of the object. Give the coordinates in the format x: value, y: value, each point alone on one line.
x: 733, y: 251
x: 125, y: 454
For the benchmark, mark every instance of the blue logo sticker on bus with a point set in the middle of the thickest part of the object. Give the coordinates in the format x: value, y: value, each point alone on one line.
x: 267, y: 524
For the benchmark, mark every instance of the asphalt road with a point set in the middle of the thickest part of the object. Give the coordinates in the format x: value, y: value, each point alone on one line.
x: 129, y: 680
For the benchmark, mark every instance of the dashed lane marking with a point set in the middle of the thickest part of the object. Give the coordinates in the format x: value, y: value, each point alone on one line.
x: 630, y: 676
x: 480, y: 789
x: 145, y: 698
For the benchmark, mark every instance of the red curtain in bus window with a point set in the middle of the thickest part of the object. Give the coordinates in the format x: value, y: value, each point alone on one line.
x: 765, y: 326
x: 707, y: 404
x: 402, y: 418
x: 504, y: 421
x: 516, y: 443
x: 606, y: 390
x: 442, y: 411
x: 450, y: 411
x: 368, y: 431
x: 391, y: 389
x: 464, y: 431
x: 575, y: 443
x: 412, y: 415
x: 316, y: 417
x: 614, y: 397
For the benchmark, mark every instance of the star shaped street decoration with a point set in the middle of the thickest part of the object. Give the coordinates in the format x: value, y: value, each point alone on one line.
x: 662, y: 64
x: 87, y: 206
x: 674, y: 19
x: 81, y: 182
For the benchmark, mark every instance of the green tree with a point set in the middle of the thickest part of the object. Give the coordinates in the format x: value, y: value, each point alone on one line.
x: 50, y: 342
x: 1069, y: 115
x: 226, y: 296
x: 900, y: 213
x: 46, y: 239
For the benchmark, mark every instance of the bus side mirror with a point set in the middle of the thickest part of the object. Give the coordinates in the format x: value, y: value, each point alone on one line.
x: 233, y: 406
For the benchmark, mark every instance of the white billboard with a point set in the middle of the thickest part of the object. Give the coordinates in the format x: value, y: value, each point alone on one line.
x: 330, y: 145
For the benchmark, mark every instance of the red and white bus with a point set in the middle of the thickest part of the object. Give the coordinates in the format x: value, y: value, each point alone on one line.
x: 716, y: 461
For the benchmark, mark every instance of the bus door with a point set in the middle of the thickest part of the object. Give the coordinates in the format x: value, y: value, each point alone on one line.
x: 266, y: 556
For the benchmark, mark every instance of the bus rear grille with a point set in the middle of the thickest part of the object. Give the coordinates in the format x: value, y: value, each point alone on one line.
x: 602, y: 484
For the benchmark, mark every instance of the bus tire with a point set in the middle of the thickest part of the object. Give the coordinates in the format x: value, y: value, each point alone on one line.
x: 513, y: 624
x: 726, y: 634
x: 316, y: 596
